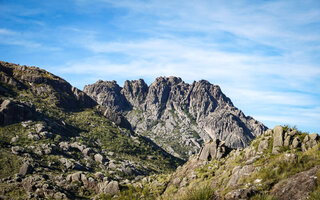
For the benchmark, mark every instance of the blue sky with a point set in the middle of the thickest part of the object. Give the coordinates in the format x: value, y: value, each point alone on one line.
x: 265, y: 55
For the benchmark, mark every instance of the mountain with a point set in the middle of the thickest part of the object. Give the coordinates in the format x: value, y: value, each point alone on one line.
x: 176, y: 115
x: 57, y: 143
x: 283, y: 163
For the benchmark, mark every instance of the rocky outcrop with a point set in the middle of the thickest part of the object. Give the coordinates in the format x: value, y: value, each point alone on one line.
x: 13, y: 112
x: 213, y: 150
x: 296, y: 187
x: 291, y: 139
x: 114, y: 116
x: 111, y: 187
x: 278, y: 139
x: 44, y: 84
x: 172, y: 110
x: 256, y: 172
x: 110, y: 93
x: 240, y: 194
x: 25, y: 169
x: 239, y: 172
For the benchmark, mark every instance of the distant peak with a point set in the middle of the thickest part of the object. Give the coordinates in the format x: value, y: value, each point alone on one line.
x: 170, y: 79
x: 204, y: 82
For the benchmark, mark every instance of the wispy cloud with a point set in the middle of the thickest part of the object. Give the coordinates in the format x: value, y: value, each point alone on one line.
x: 264, y: 54
x: 4, y: 31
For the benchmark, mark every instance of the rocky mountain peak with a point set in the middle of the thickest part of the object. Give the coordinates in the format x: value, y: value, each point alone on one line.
x: 44, y: 84
x: 108, y: 92
x: 176, y: 115
x: 135, y: 91
x: 168, y: 80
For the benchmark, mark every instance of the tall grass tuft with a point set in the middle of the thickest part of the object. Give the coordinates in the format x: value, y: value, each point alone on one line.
x: 202, y: 192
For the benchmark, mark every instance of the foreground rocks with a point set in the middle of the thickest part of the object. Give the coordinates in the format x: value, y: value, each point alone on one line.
x: 299, y: 186
x: 291, y: 139
x: 283, y: 163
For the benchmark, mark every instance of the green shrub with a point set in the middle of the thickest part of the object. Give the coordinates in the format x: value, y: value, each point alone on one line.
x: 202, y: 192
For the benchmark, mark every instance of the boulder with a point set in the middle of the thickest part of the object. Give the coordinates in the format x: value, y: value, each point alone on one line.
x: 176, y: 181
x: 40, y: 127
x: 17, y: 150
x: 213, y: 150
x: 128, y: 171
x: 296, y: 143
x: 111, y: 187
x: 99, y: 175
x: 269, y: 132
x: 78, y: 146
x: 293, y: 132
x: 112, y: 165
x: 314, y: 136
x: 13, y: 112
x: 60, y: 195
x: 66, y: 162
x: 239, y: 172
x: 46, y: 134
x: 263, y: 145
x: 25, y: 169
x: 75, y: 177
x: 310, y: 141
x: 249, y: 152
x: 99, y: 158
x: 237, y: 194
x: 64, y: 145
x: 14, y: 139
x: 287, y: 141
x: 296, y: 187
x: 29, y: 184
x: 278, y: 139
x: 87, y: 151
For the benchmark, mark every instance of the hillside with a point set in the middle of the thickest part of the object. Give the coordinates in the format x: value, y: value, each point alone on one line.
x: 281, y: 164
x: 56, y: 142
x: 176, y: 115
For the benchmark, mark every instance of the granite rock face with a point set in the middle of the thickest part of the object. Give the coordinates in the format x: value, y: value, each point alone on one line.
x: 176, y: 115
x: 213, y: 150
x: 12, y: 112
x: 296, y: 187
x: 44, y: 84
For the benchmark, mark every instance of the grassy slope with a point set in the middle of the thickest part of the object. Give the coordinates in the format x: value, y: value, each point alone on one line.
x: 212, y: 177
x: 84, y: 125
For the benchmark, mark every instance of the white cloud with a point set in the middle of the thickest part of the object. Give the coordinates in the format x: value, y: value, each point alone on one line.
x: 263, y: 54
x: 244, y: 66
x: 4, y: 31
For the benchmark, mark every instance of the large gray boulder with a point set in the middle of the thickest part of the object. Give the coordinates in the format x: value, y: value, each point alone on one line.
x: 296, y: 187
x: 13, y: 112
x: 310, y: 141
x: 263, y: 145
x: 278, y: 139
x: 99, y: 158
x: 25, y: 169
x: 240, y: 172
x: 17, y: 150
x: 111, y: 187
x: 213, y: 150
